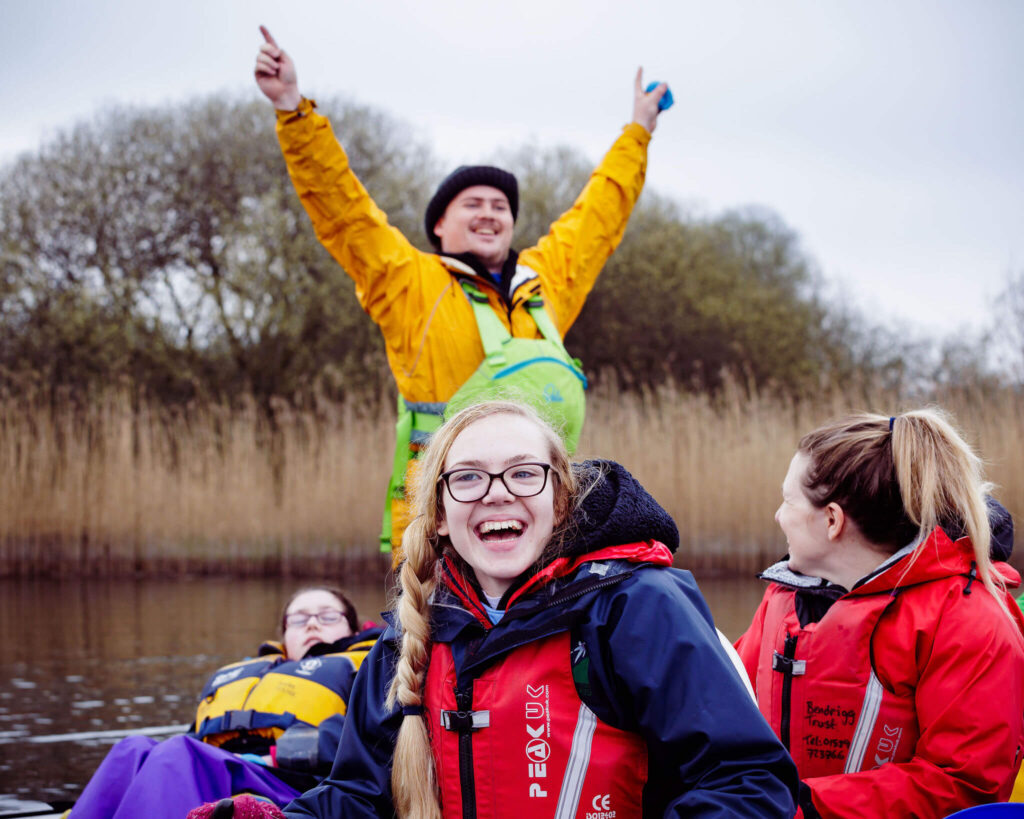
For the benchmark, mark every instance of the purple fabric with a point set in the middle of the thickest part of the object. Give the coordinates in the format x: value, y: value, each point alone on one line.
x: 165, y: 780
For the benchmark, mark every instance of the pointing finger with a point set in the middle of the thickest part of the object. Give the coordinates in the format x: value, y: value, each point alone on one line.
x: 638, y: 83
x: 267, y: 36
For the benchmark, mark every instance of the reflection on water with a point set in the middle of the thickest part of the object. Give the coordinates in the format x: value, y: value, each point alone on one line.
x: 79, y: 656
x: 93, y: 656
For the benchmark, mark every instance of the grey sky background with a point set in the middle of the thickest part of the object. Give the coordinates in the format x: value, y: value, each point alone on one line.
x: 888, y: 135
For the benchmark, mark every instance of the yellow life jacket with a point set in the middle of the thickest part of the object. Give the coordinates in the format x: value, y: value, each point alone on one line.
x: 264, y: 696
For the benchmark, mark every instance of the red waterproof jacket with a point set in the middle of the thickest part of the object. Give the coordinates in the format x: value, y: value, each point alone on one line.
x: 906, y: 697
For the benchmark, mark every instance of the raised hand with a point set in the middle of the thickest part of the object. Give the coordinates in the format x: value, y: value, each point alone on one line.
x: 275, y: 74
x: 645, y: 105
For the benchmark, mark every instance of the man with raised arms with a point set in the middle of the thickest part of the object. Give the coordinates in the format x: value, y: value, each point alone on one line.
x: 447, y: 317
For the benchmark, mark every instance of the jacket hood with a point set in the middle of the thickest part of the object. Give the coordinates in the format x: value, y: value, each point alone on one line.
x: 469, y: 265
x: 1002, y: 529
x: 1000, y: 523
x: 938, y: 557
x: 616, y: 510
x: 345, y: 643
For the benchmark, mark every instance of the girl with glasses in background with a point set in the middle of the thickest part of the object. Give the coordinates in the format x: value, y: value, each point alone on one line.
x: 269, y: 725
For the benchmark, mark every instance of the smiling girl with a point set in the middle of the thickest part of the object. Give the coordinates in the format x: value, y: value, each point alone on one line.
x: 544, y: 659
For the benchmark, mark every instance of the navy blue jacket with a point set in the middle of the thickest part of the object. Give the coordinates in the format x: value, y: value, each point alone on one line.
x: 656, y: 668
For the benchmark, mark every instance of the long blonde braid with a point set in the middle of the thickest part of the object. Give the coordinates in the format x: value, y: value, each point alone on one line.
x: 413, y: 780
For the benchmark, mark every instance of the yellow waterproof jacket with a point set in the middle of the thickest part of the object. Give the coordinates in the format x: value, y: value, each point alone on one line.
x: 431, y: 336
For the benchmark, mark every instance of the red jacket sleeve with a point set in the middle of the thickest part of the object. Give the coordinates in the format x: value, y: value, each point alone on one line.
x: 969, y: 697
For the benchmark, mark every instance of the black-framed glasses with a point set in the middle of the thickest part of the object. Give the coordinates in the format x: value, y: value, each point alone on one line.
x: 521, y: 480
x: 326, y: 617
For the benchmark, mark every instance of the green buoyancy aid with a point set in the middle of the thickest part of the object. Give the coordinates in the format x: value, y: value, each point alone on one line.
x: 536, y: 371
x: 417, y: 421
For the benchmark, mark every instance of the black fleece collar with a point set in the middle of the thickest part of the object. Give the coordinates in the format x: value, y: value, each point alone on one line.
x: 508, y: 269
x: 616, y: 510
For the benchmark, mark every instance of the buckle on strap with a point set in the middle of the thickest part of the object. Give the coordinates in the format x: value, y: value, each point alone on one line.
x: 787, y: 665
x: 426, y: 407
x: 239, y: 720
x: 463, y: 721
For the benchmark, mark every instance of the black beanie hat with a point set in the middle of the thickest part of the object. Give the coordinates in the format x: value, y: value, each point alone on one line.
x: 466, y: 176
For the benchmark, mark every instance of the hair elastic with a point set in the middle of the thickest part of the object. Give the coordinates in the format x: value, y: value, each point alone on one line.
x: 412, y: 710
x: 891, y: 419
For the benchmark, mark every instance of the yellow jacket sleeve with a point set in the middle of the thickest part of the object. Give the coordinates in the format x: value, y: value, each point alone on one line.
x: 393, y: 279
x: 568, y: 259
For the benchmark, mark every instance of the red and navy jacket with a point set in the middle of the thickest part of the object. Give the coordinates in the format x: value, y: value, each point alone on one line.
x: 606, y: 640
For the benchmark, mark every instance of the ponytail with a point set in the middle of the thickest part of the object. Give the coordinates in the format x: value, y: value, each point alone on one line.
x: 900, y: 478
x: 942, y: 483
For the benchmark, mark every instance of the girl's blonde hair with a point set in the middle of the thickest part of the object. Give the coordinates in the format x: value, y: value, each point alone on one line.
x: 899, y: 478
x: 413, y: 780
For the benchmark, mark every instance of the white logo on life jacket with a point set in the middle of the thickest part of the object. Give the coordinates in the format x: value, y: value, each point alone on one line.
x: 602, y: 805
x: 537, y: 725
x: 887, y: 745
x: 552, y: 394
x: 537, y: 750
x: 226, y: 677
x: 307, y: 667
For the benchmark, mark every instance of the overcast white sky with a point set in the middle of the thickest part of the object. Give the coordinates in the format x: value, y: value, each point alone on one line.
x: 889, y: 135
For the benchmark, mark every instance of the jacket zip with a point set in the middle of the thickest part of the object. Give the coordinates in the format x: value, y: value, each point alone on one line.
x: 502, y: 647
x: 785, y: 664
x: 575, y: 593
x: 464, y: 702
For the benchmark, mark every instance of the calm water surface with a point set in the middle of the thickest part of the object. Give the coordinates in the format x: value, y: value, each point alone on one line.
x: 88, y: 656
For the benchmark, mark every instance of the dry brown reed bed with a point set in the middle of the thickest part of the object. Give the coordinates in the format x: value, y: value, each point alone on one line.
x: 106, y: 488
x: 717, y: 463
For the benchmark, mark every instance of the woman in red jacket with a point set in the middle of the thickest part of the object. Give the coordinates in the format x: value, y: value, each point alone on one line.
x: 887, y: 654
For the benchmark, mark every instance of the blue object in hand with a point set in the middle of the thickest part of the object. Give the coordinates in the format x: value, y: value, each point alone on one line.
x: 255, y: 758
x: 666, y: 101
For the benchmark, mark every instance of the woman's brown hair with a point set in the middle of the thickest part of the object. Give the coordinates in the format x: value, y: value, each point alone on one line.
x: 899, y: 478
x: 347, y: 606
